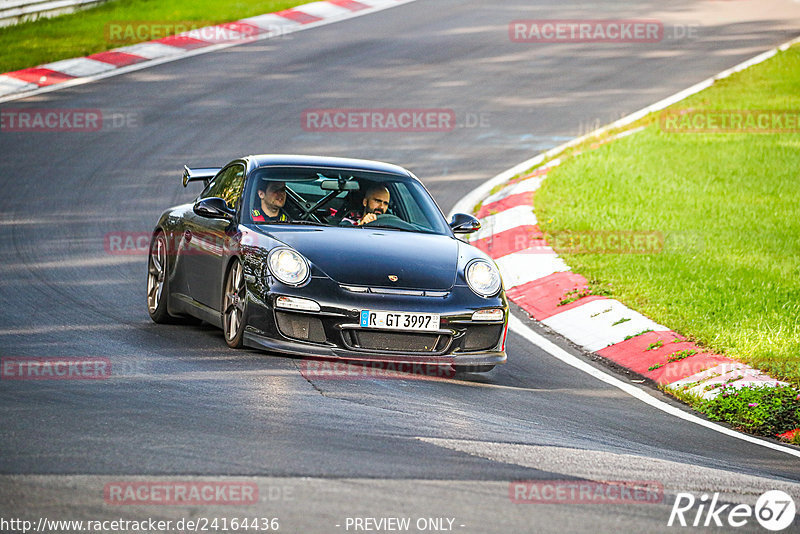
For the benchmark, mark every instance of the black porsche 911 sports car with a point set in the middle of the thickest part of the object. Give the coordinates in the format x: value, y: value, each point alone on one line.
x: 328, y: 257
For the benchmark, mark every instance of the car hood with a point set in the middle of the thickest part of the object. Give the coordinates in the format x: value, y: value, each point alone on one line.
x: 367, y: 257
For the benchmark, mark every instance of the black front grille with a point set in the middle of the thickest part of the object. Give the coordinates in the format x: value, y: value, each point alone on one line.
x: 382, y: 341
x: 482, y: 337
x: 299, y: 326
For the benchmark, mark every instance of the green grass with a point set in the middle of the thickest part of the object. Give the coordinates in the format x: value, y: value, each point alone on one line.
x: 577, y: 293
x: 85, y: 32
x: 680, y: 355
x: 727, y: 205
x: 766, y: 410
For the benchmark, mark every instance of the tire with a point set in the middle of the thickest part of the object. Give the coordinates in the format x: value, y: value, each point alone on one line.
x: 158, y: 281
x: 234, y: 295
x: 473, y: 368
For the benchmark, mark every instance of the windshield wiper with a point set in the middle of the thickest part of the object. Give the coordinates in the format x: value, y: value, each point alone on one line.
x: 310, y: 223
x: 387, y: 226
x: 313, y: 223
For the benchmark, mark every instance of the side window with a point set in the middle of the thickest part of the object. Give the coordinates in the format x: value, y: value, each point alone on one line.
x: 227, y: 185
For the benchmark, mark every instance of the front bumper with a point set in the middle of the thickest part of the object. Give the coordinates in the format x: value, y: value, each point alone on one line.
x: 334, y: 331
x: 308, y: 350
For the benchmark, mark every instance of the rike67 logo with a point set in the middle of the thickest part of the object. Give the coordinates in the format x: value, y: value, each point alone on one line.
x: 774, y: 510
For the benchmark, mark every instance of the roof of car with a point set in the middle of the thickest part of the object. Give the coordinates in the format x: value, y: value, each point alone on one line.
x: 265, y: 160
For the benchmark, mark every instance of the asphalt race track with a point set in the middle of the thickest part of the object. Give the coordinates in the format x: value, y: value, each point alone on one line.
x: 182, y: 406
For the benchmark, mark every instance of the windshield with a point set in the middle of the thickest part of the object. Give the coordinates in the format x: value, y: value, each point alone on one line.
x: 344, y: 198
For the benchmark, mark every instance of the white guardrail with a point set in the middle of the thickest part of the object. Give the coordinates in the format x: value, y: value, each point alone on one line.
x: 16, y: 11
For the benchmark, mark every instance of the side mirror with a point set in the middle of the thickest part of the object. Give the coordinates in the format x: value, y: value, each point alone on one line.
x: 464, y: 224
x: 214, y: 208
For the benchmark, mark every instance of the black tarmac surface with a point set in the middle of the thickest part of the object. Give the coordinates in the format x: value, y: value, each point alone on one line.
x: 181, y: 404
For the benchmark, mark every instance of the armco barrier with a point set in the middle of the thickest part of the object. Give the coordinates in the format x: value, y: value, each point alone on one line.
x: 16, y: 11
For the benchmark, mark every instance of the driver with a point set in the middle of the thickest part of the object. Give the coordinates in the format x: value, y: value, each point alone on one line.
x: 376, y: 202
x: 273, y: 197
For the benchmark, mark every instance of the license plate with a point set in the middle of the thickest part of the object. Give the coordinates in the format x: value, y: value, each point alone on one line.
x: 424, y: 322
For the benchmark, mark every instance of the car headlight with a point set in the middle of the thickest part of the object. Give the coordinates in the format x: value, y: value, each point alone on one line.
x: 483, y: 278
x: 288, y: 266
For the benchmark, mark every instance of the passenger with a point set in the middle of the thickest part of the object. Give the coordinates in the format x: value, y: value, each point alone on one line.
x: 273, y: 197
x: 376, y: 202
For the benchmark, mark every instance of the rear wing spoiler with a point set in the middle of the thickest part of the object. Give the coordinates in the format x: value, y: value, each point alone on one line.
x: 201, y: 173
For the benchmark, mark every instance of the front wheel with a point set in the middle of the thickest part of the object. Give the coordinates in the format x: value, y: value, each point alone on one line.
x: 233, y: 305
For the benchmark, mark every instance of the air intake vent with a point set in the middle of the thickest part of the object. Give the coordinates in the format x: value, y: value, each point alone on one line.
x: 381, y: 341
x: 482, y: 337
x: 299, y: 326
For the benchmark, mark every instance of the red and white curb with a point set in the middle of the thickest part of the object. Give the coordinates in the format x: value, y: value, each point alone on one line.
x: 538, y: 280
x: 70, y: 72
